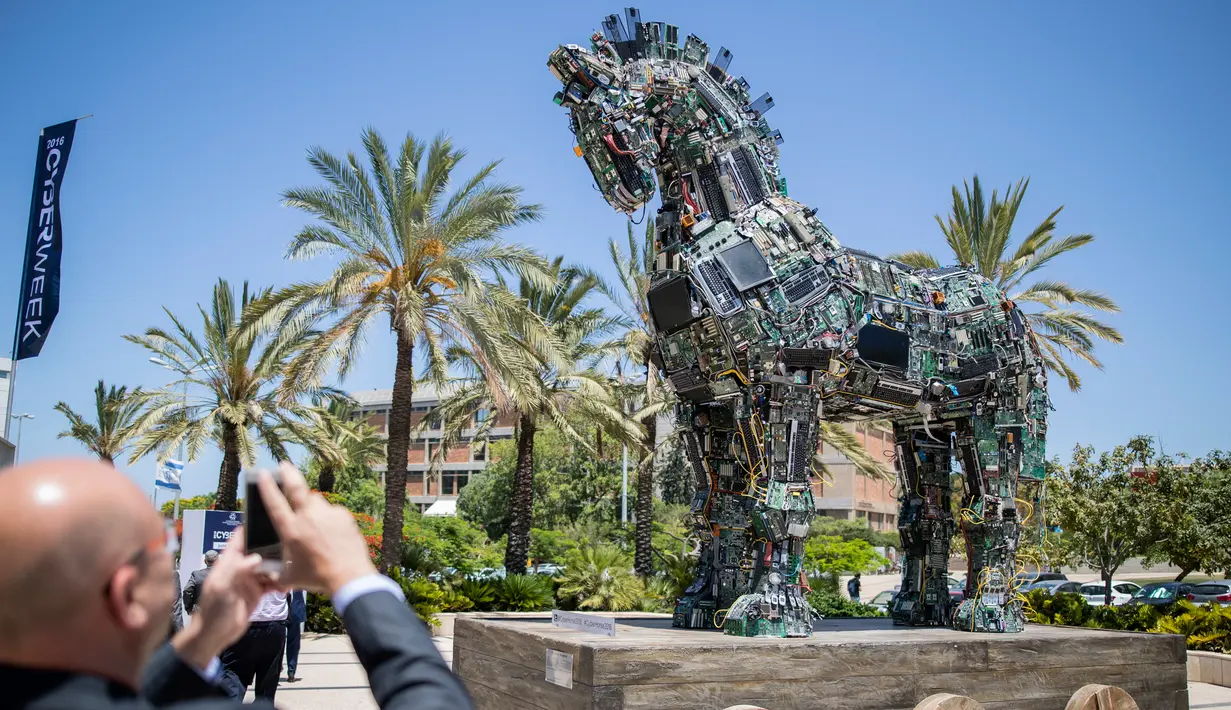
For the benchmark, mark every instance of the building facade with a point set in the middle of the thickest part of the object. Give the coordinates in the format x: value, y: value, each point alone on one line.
x: 462, y: 461
x: 848, y: 494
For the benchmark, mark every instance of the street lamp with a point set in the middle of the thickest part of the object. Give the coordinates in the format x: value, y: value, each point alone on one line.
x: 17, y: 444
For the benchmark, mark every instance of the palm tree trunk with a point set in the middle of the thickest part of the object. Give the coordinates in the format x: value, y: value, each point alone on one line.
x: 107, y: 460
x: 522, y: 512
x: 327, y: 479
x: 644, y: 560
x: 228, y: 474
x: 397, y: 453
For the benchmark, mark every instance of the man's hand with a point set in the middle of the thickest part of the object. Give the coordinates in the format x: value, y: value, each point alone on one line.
x: 321, y: 543
x: 226, y: 600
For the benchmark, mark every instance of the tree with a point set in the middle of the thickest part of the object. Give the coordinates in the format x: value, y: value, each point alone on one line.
x: 336, y: 441
x: 201, y: 502
x: 631, y: 297
x: 854, y: 530
x: 570, y: 484
x: 108, y: 437
x: 1105, y: 513
x: 564, y: 388
x: 978, y: 233
x: 829, y: 557
x: 1190, y: 520
x: 675, y: 477
x: 234, y: 378
x: 413, y: 258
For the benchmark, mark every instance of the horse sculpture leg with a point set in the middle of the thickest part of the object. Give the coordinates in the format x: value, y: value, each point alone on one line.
x: 752, y: 454
x: 925, y: 522
x: 999, y: 448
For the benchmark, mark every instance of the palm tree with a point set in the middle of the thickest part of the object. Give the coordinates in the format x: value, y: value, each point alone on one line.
x: 115, y: 409
x: 411, y: 258
x: 978, y: 233
x: 650, y: 398
x: 562, y: 391
x: 235, y: 375
x: 336, y: 440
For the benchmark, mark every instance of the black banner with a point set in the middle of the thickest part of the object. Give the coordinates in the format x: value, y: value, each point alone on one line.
x: 40, y: 279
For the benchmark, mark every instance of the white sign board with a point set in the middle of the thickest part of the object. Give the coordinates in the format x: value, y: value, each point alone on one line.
x: 560, y: 668
x: 589, y: 623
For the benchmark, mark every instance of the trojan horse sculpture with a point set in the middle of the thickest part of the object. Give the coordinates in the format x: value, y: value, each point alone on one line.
x: 765, y: 326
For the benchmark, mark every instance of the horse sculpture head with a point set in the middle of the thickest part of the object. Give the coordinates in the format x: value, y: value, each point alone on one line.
x: 645, y: 108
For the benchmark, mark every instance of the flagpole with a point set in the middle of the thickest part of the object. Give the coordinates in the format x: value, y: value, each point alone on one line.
x: 21, y: 292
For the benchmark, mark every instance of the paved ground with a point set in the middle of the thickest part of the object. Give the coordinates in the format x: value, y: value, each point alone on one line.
x: 333, y: 678
x: 1203, y: 696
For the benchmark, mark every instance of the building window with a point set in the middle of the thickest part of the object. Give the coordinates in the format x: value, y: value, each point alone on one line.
x: 4, y: 374
x: 481, y: 416
x: 478, y: 452
x: 452, y: 482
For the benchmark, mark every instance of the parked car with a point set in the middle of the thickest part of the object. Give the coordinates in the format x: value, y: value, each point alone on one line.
x: 1219, y: 591
x: 1054, y: 587
x: 1161, y: 593
x: 1026, y: 578
x: 881, y: 602
x: 1121, y: 592
x: 487, y: 574
x: 548, y: 568
x: 957, y: 589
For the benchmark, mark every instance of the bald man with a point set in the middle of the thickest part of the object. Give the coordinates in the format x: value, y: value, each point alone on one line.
x: 86, y: 589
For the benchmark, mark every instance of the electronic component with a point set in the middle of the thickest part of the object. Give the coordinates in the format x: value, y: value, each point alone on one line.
x: 764, y: 323
x: 746, y: 265
x: 719, y: 294
x: 670, y: 304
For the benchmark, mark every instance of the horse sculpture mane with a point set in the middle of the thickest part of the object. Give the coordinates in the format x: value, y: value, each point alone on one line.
x: 765, y: 327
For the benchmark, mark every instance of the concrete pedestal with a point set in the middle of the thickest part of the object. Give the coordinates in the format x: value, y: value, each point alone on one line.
x: 848, y: 664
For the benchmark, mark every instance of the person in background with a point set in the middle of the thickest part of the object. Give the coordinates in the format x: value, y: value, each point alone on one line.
x: 257, y: 655
x: 852, y: 588
x: 177, y: 611
x: 192, y: 590
x: 294, y: 628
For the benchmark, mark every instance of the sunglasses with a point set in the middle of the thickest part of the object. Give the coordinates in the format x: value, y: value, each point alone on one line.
x: 167, y: 540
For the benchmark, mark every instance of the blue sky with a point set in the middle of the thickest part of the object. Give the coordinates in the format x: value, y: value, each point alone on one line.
x: 203, y: 113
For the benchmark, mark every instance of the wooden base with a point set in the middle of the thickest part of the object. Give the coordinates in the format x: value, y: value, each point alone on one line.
x: 848, y: 664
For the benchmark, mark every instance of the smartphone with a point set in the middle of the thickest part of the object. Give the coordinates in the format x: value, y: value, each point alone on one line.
x: 260, y: 537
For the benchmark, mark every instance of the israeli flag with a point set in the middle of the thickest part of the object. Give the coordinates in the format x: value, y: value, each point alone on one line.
x: 169, y: 474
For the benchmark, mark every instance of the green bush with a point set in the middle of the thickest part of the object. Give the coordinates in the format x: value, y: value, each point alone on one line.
x: 523, y: 592
x: 322, y: 619
x: 1205, y: 628
x: 600, y: 578
x: 480, y: 593
x: 423, y: 595
x: 832, y: 605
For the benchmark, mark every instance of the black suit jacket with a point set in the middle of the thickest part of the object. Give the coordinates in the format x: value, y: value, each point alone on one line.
x: 404, y: 669
x: 192, y: 590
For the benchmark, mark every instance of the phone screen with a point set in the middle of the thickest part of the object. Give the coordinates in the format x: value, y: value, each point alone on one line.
x: 260, y: 537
